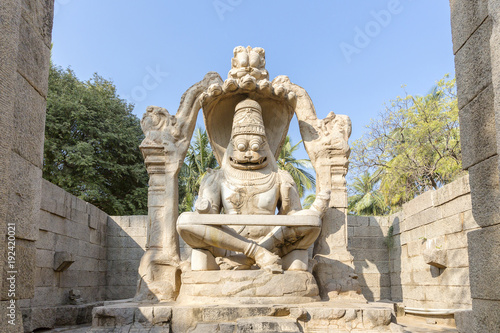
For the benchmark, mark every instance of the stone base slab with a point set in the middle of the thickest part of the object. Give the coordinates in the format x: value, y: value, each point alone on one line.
x: 247, y: 287
x: 341, y: 316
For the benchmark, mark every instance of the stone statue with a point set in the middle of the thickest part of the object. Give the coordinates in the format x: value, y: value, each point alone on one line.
x: 249, y: 183
x: 258, y: 261
x: 248, y: 213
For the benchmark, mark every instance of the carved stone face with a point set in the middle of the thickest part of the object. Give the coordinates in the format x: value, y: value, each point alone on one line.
x: 249, y: 152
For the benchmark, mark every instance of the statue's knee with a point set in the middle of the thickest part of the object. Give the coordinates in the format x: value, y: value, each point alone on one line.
x: 315, y: 231
x: 309, y: 235
x: 189, y: 228
x: 183, y: 229
x: 191, y: 234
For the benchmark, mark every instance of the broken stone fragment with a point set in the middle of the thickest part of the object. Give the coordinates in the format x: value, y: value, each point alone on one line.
x: 435, y: 257
x: 62, y: 261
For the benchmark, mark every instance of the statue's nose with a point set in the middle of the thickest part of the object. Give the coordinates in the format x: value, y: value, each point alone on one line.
x: 248, y: 154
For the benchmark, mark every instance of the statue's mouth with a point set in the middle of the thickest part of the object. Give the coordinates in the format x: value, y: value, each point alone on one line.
x: 248, y: 164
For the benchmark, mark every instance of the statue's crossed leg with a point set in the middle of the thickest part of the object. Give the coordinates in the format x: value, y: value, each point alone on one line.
x: 218, y: 240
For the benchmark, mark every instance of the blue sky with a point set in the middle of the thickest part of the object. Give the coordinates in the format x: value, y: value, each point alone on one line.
x: 351, y: 56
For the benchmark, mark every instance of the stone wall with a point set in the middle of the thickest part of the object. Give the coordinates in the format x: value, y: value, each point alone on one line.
x: 25, y: 38
x: 476, y: 45
x: 126, y: 245
x: 74, y: 231
x: 434, y: 223
x: 366, y: 236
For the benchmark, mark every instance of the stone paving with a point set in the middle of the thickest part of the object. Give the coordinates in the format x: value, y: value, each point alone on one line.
x: 412, y: 325
x: 408, y: 325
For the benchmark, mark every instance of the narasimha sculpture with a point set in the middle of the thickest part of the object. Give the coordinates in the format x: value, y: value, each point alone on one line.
x: 248, y: 223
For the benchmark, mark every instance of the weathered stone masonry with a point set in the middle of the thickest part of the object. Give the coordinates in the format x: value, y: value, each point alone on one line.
x: 436, y: 221
x: 25, y: 38
x: 476, y: 45
x: 73, y: 231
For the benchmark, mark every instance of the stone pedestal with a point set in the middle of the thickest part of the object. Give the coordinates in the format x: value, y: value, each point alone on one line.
x: 308, y: 318
x: 247, y: 287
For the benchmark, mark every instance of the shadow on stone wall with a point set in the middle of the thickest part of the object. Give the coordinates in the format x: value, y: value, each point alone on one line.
x: 367, y: 244
x: 395, y: 260
x: 126, y: 246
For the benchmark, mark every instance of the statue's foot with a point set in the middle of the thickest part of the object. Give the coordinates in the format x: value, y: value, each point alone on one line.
x: 268, y: 261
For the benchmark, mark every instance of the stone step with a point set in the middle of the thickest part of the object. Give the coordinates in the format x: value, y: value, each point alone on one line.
x: 338, y: 316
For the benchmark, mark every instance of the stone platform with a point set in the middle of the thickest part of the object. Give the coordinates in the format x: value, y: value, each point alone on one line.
x: 247, y: 287
x: 327, y: 317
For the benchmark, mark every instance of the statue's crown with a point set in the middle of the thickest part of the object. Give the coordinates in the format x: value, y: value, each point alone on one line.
x: 248, y: 118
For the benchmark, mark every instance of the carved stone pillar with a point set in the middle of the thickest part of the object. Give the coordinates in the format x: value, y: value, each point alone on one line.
x: 159, y: 272
x: 162, y: 201
x: 164, y: 148
x: 326, y: 143
x: 334, y: 264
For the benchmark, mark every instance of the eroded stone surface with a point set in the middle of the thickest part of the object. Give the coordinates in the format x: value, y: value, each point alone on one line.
x: 247, y: 287
x: 307, y: 318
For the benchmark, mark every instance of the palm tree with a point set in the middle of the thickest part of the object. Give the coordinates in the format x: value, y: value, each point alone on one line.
x: 308, y: 201
x: 366, y: 200
x: 198, y: 159
x: 296, y: 168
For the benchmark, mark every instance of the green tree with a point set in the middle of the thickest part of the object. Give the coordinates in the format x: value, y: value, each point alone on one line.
x: 198, y: 159
x: 92, y: 144
x: 296, y: 167
x: 414, y: 146
x: 366, y: 200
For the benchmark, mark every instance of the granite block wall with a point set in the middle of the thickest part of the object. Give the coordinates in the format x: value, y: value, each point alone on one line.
x: 72, y: 231
x: 126, y: 242
x: 476, y: 45
x: 366, y: 243
x: 25, y: 38
x: 395, y: 267
x: 437, y: 222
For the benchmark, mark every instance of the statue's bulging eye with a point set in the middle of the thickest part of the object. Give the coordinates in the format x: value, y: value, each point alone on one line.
x: 241, y: 146
x: 255, y: 144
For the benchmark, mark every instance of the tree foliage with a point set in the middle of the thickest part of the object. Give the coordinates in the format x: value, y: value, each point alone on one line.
x: 414, y: 145
x: 92, y: 144
x: 308, y: 201
x: 366, y: 200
